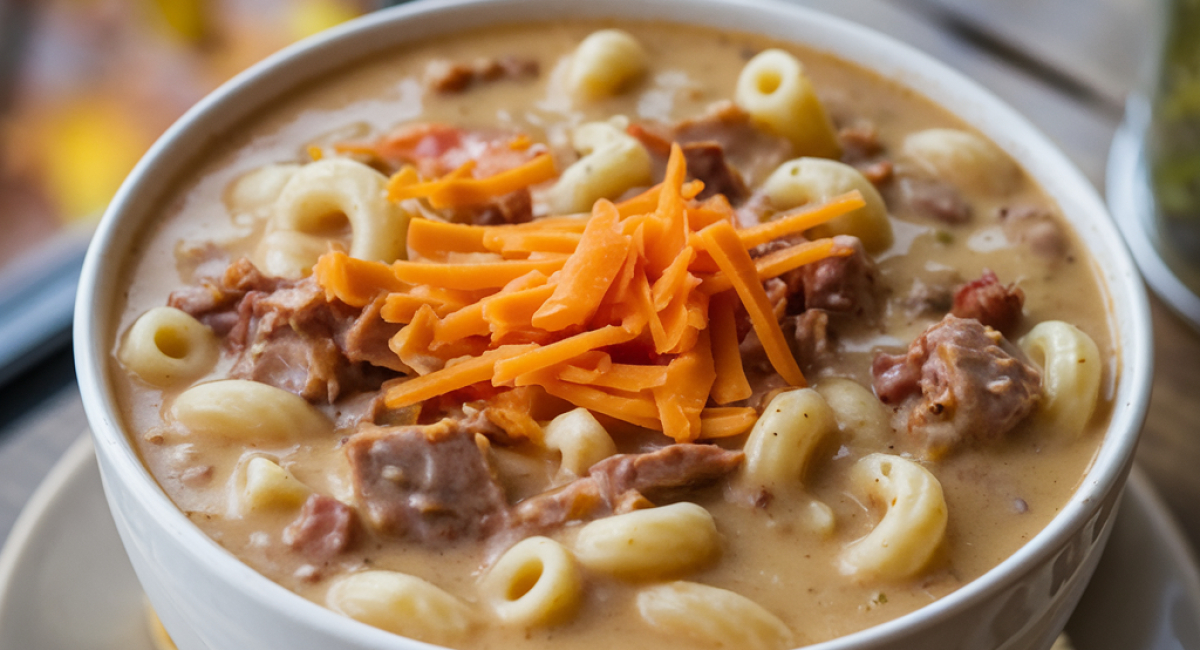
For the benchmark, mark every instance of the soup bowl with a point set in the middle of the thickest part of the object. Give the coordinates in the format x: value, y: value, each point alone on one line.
x: 208, y: 599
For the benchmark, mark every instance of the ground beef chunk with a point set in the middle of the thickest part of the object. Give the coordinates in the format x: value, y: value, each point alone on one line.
x: 429, y: 484
x: 957, y: 383
x: 323, y: 530
x: 628, y: 481
x: 934, y: 199
x: 1035, y: 228
x: 847, y: 284
x: 990, y: 303
x: 448, y: 77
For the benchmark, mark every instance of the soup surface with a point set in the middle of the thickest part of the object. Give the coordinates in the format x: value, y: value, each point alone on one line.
x: 907, y: 324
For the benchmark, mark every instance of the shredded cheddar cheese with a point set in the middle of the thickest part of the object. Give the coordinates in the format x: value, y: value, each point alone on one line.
x: 654, y: 281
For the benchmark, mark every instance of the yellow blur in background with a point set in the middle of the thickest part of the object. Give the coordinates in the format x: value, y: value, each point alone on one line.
x: 99, y: 80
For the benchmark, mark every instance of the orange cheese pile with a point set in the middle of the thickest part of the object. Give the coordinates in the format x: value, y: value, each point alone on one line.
x: 629, y: 313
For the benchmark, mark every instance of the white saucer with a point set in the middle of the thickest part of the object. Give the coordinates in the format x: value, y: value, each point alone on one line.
x: 65, y: 583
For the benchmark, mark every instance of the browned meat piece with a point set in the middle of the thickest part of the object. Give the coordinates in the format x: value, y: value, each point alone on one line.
x: 722, y: 147
x: 286, y: 339
x: 956, y: 384
x: 935, y: 199
x: 323, y: 530
x: 928, y: 300
x: 664, y: 471
x: 430, y: 484
x: 448, y: 77
x: 1036, y: 228
x: 752, y: 151
x: 814, y: 343
x: 366, y: 339
x: 878, y: 172
x: 862, y: 150
x: 705, y: 162
x: 286, y: 334
x: 989, y: 302
x: 621, y: 482
x: 860, y: 142
x: 847, y: 284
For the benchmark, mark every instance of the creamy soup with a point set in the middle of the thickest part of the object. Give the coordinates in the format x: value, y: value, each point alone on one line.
x: 544, y: 389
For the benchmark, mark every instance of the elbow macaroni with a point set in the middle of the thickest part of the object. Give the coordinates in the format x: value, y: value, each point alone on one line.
x: 268, y: 486
x: 604, y: 63
x: 860, y: 415
x: 913, y: 524
x: 256, y: 191
x: 330, y: 187
x: 779, y: 96
x: 613, y: 162
x: 1071, y: 373
x: 402, y: 604
x: 816, y: 180
x: 649, y: 543
x: 536, y: 582
x: 712, y: 617
x: 781, y: 444
x: 250, y: 411
x: 581, y: 440
x: 963, y: 158
x: 166, y: 347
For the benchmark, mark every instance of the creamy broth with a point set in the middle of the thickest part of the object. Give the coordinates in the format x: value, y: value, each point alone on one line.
x: 998, y: 495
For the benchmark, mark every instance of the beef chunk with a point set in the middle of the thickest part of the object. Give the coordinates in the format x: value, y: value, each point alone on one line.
x: 859, y: 142
x: 448, y: 77
x: 430, y: 484
x: 625, y: 481
x: 323, y: 530
x: 366, y: 339
x: 706, y: 162
x: 926, y: 299
x: 1035, y: 228
x: 843, y: 284
x: 957, y: 383
x: 935, y: 199
x: 286, y: 334
x: 723, y: 149
x: 752, y: 151
x: 862, y: 150
x: 990, y: 303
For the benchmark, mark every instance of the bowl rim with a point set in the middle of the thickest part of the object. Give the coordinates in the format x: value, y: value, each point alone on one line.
x: 900, y: 62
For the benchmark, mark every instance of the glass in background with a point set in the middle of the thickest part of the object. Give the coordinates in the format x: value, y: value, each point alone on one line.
x: 1173, y: 145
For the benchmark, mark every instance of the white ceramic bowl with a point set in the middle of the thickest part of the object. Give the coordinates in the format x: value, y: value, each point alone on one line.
x: 210, y: 600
